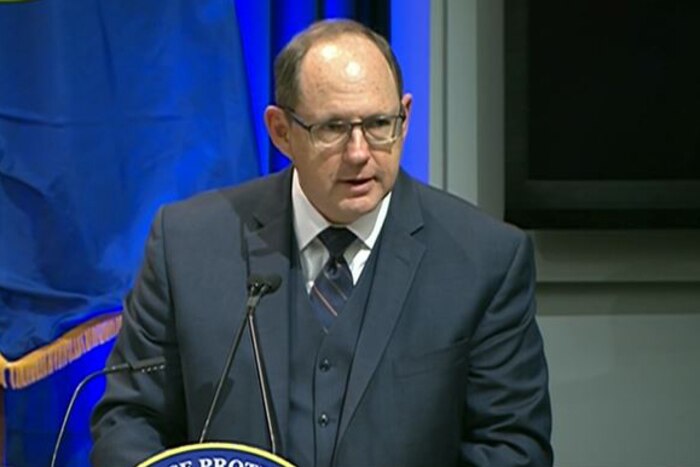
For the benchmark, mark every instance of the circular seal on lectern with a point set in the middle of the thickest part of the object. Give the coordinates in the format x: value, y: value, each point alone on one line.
x: 216, y: 455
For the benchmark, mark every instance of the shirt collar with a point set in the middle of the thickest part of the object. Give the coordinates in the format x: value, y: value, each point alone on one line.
x: 308, y: 222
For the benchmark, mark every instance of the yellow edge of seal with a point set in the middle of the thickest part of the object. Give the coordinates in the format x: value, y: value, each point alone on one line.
x: 228, y: 446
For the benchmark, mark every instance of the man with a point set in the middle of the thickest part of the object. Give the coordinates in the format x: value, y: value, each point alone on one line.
x: 413, y: 344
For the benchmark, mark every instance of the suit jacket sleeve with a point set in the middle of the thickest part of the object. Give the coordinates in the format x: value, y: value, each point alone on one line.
x: 507, y: 419
x: 142, y: 414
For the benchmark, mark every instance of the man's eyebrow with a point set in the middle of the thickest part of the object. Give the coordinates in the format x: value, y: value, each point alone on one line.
x: 335, y: 117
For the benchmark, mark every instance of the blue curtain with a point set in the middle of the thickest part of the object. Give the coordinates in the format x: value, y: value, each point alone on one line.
x: 107, y: 110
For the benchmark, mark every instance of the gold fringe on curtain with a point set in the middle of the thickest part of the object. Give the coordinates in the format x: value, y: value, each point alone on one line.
x: 3, y: 365
x: 44, y: 361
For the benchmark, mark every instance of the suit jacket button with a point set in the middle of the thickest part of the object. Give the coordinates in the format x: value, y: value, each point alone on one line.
x: 325, y: 365
x: 323, y: 420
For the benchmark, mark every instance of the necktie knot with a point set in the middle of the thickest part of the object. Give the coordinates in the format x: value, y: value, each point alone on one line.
x: 336, y: 240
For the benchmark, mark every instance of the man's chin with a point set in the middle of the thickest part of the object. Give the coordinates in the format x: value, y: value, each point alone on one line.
x: 354, y: 208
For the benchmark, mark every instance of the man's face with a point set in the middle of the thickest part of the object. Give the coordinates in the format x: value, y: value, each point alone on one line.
x: 346, y: 78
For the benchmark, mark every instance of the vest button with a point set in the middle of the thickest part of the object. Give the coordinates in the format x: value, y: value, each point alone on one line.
x: 325, y: 365
x: 323, y: 420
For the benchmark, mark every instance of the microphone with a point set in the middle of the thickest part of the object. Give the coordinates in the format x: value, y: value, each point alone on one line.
x: 258, y: 287
x: 147, y: 365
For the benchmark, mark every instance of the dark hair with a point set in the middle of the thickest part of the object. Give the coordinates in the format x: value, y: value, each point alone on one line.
x: 288, y: 61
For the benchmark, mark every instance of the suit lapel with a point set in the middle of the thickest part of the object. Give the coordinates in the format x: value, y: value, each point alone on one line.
x: 400, y: 254
x: 269, y: 252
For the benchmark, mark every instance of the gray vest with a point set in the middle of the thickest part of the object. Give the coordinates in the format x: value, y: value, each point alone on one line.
x: 319, y: 368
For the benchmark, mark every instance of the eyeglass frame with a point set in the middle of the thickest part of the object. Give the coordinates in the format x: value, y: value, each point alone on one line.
x: 400, y: 117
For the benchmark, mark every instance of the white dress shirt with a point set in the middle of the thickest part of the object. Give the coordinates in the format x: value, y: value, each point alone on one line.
x: 308, y: 223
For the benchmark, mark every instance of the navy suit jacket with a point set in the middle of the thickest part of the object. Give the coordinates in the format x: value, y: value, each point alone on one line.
x: 449, y: 366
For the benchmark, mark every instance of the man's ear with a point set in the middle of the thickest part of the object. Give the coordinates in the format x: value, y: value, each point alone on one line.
x: 279, y: 129
x: 406, y: 102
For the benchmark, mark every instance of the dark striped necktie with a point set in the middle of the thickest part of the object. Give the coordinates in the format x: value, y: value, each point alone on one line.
x: 333, y: 285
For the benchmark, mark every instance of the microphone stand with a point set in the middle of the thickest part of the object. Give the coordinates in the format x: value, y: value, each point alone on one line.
x: 270, y: 419
x: 257, y: 288
x: 250, y: 308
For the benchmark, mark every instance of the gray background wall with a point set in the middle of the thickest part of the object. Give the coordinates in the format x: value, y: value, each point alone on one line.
x: 619, y: 310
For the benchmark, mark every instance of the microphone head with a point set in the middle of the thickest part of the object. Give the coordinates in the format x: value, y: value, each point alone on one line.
x: 148, y: 365
x: 263, y: 284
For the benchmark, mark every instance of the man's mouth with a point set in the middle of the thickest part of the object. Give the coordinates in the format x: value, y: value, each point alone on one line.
x: 359, y: 185
x: 358, y: 181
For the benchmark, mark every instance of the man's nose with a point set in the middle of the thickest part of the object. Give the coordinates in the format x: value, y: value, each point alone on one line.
x: 357, y: 148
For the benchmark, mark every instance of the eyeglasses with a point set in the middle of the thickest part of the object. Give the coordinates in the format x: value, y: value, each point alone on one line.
x: 378, y: 130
